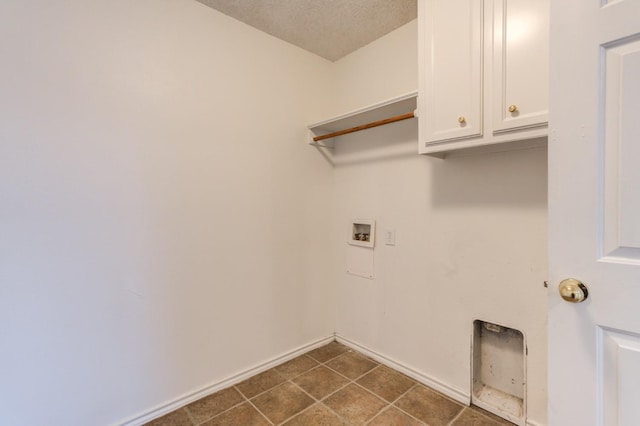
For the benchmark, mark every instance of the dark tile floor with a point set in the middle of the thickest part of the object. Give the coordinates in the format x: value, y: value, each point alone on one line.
x: 331, y: 385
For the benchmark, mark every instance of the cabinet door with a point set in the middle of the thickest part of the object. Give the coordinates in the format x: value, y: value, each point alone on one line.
x: 451, y: 69
x: 520, y: 64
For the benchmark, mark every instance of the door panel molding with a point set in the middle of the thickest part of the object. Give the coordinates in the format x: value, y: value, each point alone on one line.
x: 618, y: 367
x: 620, y: 102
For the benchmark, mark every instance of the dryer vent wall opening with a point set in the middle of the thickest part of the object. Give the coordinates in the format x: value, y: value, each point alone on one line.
x: 498, y: 370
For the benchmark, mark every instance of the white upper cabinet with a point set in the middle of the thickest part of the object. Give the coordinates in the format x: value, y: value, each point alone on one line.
x: 483, y: 73
x: 453, y: 69
x: 520, y: 64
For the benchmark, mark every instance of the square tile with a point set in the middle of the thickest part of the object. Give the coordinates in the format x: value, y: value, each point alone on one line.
x: 386, y: 383
x: 429, y: 406
x: 296, y: 366
x: 262, y: 382
x: 327, y: 352
x: 178, y: 417
x: 475, y: 417
x: 291, y: 393
x: 212, y: 405
x: 355, y: 404
x: 394, y: 417
x: 351, y: 364
x: 243, y: 414
x: 320, y: 382
x: 282, y: 402
x: 317, y: 415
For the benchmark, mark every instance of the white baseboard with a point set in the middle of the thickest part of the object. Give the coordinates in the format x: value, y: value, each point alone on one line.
x: 215, y: 387
x: 451, y: 392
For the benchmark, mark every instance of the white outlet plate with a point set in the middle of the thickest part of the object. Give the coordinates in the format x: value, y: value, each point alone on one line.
x: 390, y: 237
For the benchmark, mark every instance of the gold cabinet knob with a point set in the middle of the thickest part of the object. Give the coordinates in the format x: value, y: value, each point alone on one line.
x: 573, y: 290
x: 513, y: 108
x: 462, y: 120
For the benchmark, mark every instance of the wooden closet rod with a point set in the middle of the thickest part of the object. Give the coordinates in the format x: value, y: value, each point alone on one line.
x: 365, y: 126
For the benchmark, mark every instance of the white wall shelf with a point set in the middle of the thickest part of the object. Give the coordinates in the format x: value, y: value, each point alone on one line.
x: 380, y: 111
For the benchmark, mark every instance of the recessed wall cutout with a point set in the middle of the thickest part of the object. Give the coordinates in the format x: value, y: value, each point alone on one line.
x: 498, y: 371
x: 362, y: 232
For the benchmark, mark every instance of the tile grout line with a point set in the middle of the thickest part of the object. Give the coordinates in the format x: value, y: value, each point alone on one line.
x: 262, y: 393
x: 315, y: 401
x: 358, y: 377
x: 279, y: 374
x: 392, y: 404
x: 260, y: 412
x: 247, y: 399
x: 378, y: 414
x: 389, y: 405
x: 368, y: 391
x: 222, y: 412
x: 427, y: 387
x: 333, y: 393
x: 338, y: 415
x: 321, y: 401
x: 318, y: 363
x: 305, y: 392
x: 297, y: 414
x: 349, y: 380
x: 315, y: 367
x: 456, y: 417
x: 353, y: 382
x: 244, y: 398
x: 193, y: 422
x: 485, y: 414
x: 332, y: 358
x: 265, y: 391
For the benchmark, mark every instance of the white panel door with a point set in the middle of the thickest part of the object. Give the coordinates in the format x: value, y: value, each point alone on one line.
x: 520, y: 64
x: 451, y: 85
x: 594, y: 212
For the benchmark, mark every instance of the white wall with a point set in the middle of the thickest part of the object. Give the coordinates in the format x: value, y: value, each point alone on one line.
x: 163, y: 226
x: 162, y: 222
x: 470, y: 243
x: 384, y: 69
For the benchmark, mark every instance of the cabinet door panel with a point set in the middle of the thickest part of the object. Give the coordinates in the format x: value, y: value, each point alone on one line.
x: 451, y: 50
x: 520, y: 64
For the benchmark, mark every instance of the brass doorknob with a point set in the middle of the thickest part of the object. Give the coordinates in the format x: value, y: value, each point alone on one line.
x: 573, y: 290
x: 513, y: 108
x: 462, y: 120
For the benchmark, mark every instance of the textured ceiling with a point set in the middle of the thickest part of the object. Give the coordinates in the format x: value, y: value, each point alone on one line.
x: 329, y: 28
